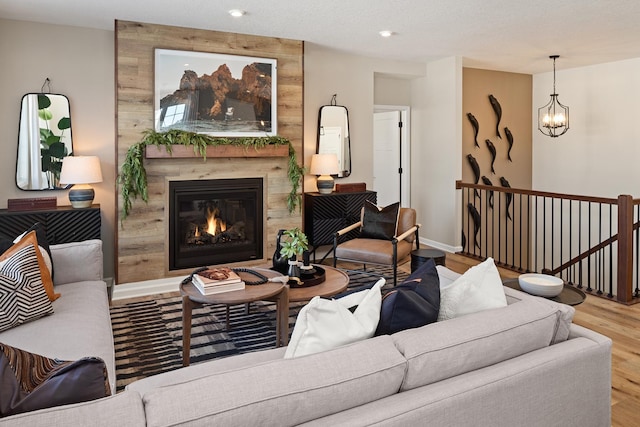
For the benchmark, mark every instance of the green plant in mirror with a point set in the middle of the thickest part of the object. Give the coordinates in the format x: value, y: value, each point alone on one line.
x: 52, y: 146
x: 295, y: 243
x: 133, y: 176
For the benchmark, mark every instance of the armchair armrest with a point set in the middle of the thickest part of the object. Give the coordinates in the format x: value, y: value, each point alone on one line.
x: 348, y: 229
x: 408, y: 232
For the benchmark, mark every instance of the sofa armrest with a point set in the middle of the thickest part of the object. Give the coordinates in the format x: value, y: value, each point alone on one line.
x: 77, y: 261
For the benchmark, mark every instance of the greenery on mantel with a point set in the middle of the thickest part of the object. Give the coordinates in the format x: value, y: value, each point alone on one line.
x: 133, y: 176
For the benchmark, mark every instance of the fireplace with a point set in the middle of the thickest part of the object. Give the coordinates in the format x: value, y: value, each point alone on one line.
x: 215, y: 221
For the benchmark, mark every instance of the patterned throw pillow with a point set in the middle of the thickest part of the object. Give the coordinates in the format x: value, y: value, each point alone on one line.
x: 35, y: 382
x: 30, y: 240
x: 22, y: 295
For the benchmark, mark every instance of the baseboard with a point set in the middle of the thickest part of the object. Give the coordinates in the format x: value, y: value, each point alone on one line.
x: 441, y: 246
x: 147, y: 287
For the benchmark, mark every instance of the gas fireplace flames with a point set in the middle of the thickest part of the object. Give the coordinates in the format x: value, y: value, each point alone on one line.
x: 214, y: 230
x: 215, y: 225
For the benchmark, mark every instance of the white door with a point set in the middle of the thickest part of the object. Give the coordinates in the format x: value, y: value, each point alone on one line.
x: 390, y: 158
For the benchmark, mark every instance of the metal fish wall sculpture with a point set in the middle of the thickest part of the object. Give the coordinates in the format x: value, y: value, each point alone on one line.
x: 509, y: 196
x: 476, y: 170
x: 509, y: 136
x: 492, y: 150
x: 475, y: 126
x: 487, y: 181
x: 498, y: 110
x: 475, y: 215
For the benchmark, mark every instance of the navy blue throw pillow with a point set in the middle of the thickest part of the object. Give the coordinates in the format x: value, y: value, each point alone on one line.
x: 413, y: 303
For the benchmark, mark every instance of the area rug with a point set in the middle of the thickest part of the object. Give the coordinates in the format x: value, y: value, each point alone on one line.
x: 148, y: 334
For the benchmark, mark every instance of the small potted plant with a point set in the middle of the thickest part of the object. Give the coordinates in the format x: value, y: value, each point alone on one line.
x: 295, y: 243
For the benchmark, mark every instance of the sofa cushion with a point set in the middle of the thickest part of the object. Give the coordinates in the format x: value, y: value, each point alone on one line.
x: 453, y: 347
x: 22, y: 296
x: 30, y: 381
x: 77, y: 261
x: 79, y: 327
x: 324, y: 324
x: 45, y: 276
x: 286, y: 390
x: 122, y: 409
x: 379, y: 223
x: 479, y: 288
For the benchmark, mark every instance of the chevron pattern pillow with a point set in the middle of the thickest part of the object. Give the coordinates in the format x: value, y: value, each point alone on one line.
x: 22, y: 294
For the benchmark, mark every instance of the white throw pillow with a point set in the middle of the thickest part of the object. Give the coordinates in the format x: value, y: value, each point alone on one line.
x: 324, y: 324
x: 479, y: 288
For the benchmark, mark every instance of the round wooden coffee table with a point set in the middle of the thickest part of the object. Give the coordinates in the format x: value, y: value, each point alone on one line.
x: 278, y: 292
x: 335, y: 281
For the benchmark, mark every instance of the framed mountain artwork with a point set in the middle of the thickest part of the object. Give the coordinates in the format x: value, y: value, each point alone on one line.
x: 217, y: 94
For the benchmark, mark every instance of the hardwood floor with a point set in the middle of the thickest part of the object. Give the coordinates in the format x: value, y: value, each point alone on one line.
x: 619, y: 322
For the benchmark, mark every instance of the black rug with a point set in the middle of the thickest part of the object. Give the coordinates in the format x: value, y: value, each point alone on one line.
x: 148, y: 334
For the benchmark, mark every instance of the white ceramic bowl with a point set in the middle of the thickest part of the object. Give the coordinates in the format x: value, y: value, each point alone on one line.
x: 542, y: 285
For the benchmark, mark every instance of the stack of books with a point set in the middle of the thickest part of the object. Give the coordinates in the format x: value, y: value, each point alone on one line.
x: 217, y: 280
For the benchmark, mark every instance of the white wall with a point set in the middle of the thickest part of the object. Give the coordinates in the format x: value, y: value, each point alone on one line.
x: 436, y: 136
x: 80, y: 64
x: 328, y: 72
x: 599, y: 155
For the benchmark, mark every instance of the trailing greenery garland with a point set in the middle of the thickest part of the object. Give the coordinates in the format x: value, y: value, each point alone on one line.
x: 133, y: 176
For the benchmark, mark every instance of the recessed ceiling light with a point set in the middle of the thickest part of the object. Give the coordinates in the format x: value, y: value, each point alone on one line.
x: 236, y: 13
x: 386, y: 33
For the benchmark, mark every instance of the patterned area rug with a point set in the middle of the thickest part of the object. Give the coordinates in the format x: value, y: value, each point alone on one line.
x: 148, y: 334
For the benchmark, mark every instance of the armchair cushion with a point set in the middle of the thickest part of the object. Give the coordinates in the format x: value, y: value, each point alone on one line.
x: 379, y: 223
x: 373, y: 251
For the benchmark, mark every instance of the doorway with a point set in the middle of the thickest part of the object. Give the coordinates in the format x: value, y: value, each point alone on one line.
x: 392, y: 154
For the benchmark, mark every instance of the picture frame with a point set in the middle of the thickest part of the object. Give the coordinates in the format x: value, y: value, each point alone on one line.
x: 216, y: 94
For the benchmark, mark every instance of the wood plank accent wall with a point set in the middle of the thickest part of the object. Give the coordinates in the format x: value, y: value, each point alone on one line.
x: 141, y: 248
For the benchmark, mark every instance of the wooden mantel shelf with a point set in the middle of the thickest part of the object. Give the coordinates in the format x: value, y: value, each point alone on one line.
x: 182, y: 151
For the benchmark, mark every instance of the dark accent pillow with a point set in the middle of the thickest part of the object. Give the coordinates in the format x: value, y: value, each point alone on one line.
x: 41, y: 237
x: 29, y: 381
x: 43, y: 242
x: 413, y: 303
x: 379, y: 223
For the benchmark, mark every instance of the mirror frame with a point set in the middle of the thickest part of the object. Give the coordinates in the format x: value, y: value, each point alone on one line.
x: 344, y: 151
x: 35, y: 133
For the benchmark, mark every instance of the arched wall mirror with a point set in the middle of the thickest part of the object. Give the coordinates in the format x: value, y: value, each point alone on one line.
x: 44, y: 139
x: 333, y: 136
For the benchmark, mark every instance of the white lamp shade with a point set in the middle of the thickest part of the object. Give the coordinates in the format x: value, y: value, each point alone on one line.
x: 324, y: 164
x: 80, y: 170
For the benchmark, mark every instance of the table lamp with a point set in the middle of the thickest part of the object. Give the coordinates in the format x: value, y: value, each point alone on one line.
x: 324, y: 165
x: 81, y: 171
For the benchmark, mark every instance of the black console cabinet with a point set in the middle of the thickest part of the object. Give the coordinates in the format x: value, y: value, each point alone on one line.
x: 325, y: 214
x: 63, y: 224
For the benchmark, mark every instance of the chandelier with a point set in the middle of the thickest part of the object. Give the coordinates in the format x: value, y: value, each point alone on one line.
x: 553, y: 118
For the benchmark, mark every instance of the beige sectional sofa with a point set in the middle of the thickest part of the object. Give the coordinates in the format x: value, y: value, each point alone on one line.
x: 80, y: 324
x: 521, y: 365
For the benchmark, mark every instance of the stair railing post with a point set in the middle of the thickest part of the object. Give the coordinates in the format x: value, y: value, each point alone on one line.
x: 624, y: 291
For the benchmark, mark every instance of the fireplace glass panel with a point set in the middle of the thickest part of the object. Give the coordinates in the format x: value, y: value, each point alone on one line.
x: 215, y: 222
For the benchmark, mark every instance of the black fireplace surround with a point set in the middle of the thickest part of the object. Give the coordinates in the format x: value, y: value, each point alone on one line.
x: 215, y: 221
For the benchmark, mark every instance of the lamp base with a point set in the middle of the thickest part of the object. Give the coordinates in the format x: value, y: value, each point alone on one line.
x: 81, y: 197
x: 325, y: 184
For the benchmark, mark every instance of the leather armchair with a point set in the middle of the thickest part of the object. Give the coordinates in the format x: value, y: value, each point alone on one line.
x: 381, y: 252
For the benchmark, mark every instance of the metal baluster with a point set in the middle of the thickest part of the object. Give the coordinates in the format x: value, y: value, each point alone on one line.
x: 600, y: 240
x: 610, y: 294
x: 580, y: 243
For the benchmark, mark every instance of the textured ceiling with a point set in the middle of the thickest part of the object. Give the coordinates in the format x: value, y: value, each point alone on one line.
x: 507, y: 35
